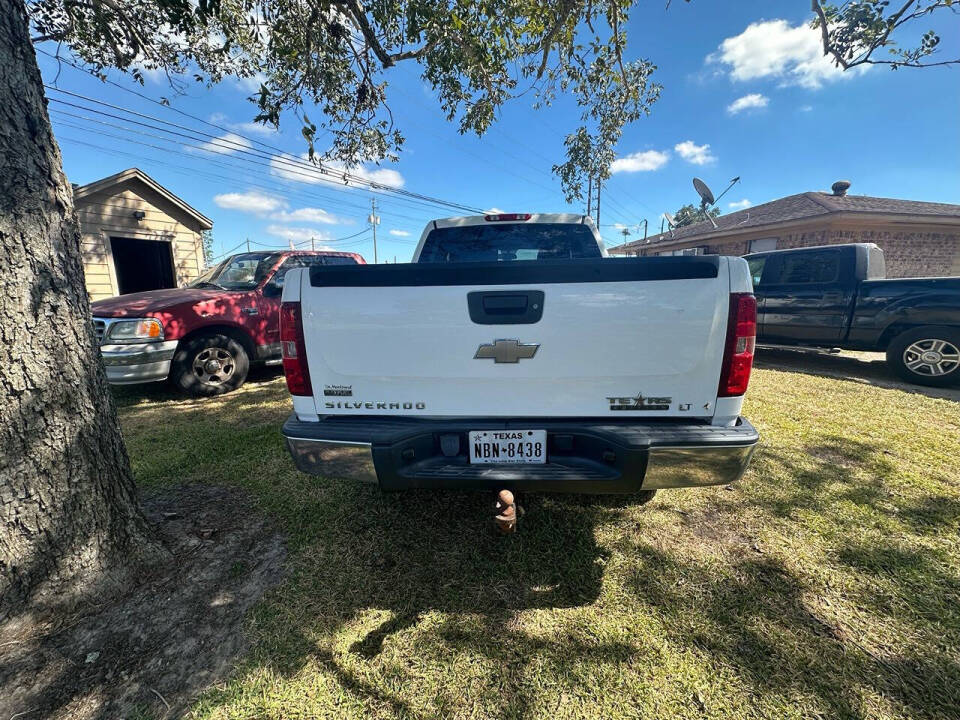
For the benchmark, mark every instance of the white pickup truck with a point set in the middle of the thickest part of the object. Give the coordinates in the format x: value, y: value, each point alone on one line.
x: 512, y: 353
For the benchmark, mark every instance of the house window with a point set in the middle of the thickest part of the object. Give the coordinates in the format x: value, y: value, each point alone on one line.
x: 763, y: 244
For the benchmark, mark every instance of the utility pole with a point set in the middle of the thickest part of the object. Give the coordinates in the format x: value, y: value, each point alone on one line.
x: 374, y: 220
x: 248, y: 244
x: 313, y: 243
x: 598, y: 202
x: 589, y: 194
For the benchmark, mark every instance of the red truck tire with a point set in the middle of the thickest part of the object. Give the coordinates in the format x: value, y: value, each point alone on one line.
x: 210, y: 364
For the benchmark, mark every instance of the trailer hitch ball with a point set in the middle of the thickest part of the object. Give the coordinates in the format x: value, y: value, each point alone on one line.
x: 506, y: 519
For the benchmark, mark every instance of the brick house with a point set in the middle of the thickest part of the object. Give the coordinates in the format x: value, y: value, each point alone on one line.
x: 918, y: 238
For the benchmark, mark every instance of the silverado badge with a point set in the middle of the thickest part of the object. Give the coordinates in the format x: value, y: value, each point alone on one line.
x: 506, y: 351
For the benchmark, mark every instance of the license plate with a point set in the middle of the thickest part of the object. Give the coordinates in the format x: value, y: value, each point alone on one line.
x: 508, y: 446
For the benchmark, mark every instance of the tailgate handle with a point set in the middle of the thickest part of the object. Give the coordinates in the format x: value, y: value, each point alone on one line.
x: 506, y: 307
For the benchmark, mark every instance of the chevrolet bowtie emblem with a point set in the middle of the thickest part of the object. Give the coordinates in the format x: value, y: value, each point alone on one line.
x: 506, y: 351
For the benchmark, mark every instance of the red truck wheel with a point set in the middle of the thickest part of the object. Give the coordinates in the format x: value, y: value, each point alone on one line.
x: 928, y: 355
x: 209, y: 365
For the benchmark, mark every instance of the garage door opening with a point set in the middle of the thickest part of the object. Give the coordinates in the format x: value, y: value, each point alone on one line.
x: 142, y: 264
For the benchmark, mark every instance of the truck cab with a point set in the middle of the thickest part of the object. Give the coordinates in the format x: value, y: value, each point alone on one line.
x: 806, y: 295
x: 203, y: 336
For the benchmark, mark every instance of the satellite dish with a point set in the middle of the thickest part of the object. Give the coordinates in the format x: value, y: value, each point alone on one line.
x: 669, y: 218
x: 703, y: 191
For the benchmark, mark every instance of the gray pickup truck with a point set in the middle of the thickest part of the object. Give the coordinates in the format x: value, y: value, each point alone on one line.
x: 837, y: 296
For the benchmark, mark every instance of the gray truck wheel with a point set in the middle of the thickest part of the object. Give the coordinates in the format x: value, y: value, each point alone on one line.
x: 927, y: 355
x: 209, y: 365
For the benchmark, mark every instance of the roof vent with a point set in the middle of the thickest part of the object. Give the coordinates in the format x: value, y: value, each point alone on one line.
x: 840, y: 187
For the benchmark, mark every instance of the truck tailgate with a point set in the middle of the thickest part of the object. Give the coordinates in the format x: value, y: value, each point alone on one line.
x: 631, y: 337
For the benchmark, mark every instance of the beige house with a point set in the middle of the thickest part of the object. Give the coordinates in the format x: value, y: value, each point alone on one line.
x: 918, y: 238
x: 137, y: 235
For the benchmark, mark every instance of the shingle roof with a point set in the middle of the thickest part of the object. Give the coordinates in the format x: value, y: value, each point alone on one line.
x: 800, y: 207
x: 82, y: 191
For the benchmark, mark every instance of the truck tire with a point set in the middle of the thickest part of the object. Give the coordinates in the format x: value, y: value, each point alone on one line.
x: 209, y: 365
x: 927, y: 355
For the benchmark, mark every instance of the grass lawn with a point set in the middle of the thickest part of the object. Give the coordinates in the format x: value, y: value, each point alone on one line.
x: 825, y: 584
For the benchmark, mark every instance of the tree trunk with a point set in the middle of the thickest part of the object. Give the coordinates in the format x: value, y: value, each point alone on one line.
x: 69, y: 520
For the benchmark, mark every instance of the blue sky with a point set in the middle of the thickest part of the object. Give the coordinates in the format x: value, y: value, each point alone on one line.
x: 745, y: 94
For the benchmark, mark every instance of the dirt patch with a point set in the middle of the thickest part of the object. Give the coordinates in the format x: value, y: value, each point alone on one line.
x: 149, y: 653
x: 713, y: 529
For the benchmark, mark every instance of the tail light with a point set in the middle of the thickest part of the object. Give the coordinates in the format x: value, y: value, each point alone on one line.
x: 293, y: 350
x: 741, y: 339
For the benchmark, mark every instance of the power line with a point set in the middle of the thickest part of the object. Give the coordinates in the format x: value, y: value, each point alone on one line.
x: 256, y: 160
x: 178, y: 144
x: 245, y: 148
x: 224, y: 160
x: 338, y: 201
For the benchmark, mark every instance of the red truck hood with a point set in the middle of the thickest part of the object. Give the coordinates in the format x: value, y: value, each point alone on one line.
x: 152, y: 301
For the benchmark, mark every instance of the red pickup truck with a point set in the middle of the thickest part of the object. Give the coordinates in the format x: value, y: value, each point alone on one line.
x: 204, y: 336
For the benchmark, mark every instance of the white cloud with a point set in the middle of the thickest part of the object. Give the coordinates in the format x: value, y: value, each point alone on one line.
x: 242, y: 127
x: 309, y: 215
x: 643, y: 161
x: 739, y: 204
x: 250, y: 84
x: 748, y: 102
x: 254, y: 127
x: 806, y: 108
x: 224, y: 145
x: 252, y: 201
x: 693, y: 153
x: 298, y: 234
x: 400, y: 233
x: 777, y: 49
x: 300, y: 169
x: 493, y: 211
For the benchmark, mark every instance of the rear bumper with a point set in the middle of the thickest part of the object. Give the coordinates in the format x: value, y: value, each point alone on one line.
x: 584, y: 456
x: 137, y: 362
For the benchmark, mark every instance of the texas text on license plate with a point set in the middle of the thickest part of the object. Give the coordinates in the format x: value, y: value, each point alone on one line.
x: 508, y: 446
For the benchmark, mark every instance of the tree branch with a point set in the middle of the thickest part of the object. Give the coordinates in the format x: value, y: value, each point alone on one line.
x: 562, y: 15
x: 825, y: 35
x: 360, y: 18
x: 893, y: 22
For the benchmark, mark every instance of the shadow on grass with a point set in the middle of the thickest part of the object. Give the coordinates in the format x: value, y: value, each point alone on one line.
x: 836, y: 468
x: 385, y: 566
x: 376, y: 566
x: 125, y: 396
x: 846, y: 367
x: 757, y: 621
x: 386, y: 588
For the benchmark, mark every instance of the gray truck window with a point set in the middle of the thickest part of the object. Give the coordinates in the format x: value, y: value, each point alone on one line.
x: 298, y: 261
x: 756, y: 269
x: 807, y: 267
x: 503, y: 242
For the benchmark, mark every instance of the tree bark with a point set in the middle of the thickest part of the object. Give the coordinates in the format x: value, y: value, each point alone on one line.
x: 70, y: 524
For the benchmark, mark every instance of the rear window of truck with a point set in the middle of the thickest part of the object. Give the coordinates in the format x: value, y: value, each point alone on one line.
x: 504, y: 242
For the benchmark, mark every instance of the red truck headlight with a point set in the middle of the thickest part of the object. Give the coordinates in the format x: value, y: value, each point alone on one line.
x: 130, y: 331
x: 293, y: 350
x: 741, y: 340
